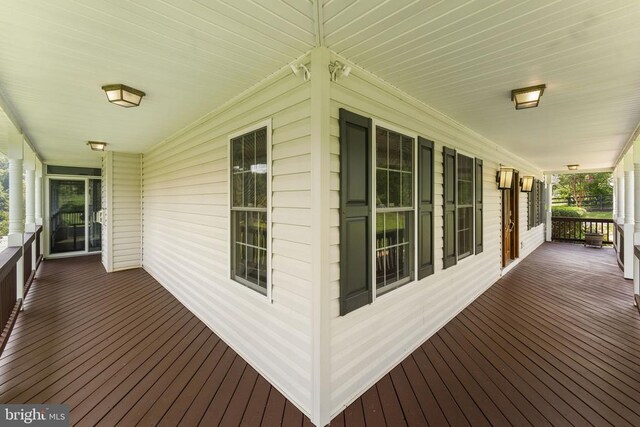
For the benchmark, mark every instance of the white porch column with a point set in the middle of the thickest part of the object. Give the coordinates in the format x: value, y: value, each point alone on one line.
x: 636, y: 229
x: 620, y: 197
x: 38, y: 207
x: 628, y: 215
x: 547, y: 179
x: 614, y: 214
x: 30, y: 191
x: 16, y: 212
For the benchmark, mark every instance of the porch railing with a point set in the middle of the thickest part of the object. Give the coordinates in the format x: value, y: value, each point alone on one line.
x: 574, y: 229
x: 9, y: 302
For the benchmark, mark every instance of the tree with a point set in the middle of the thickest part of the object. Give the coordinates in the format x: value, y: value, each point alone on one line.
x: 580, y: 185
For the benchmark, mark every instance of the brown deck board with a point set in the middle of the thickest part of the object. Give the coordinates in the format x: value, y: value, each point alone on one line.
x: 255, y: 410
x: 121, y: 350
x: 555, y: 341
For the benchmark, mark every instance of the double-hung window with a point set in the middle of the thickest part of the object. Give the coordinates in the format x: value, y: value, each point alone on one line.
x: 463, y: 206
x: 394, y: 209
x: 386, y: 210
x: 249, y: 202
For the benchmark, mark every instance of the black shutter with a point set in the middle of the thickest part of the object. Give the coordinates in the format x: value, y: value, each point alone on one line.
x: 355, y: 212
x: 530, y: 200
x: 449, y: 210
x: 536, y: 213
x: 425, y: 208
x: 542, y: 203
x: 479, y: 210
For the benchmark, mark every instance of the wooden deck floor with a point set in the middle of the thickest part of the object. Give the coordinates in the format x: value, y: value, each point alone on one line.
x: 120, y: 350
x: 556, y: 341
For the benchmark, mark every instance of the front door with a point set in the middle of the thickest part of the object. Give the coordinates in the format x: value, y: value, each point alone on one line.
x: 510, y: 220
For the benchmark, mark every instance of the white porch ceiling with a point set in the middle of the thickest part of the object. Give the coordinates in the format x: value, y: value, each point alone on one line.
x: 461, y: 57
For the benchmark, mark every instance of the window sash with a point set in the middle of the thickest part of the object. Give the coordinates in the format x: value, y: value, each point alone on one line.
x: 465, y: 236
x: 249, y: 225
x: 384, y: 163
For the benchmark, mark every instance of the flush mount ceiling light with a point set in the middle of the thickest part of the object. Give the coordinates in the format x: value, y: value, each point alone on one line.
x: 97, y: 145
x: 301, y: 70
x: 527, y: 97
x: 504, y: 178
x: 338, y: 69
x: 122, y: 95
x: 526, y: 184
x: 572, y: 167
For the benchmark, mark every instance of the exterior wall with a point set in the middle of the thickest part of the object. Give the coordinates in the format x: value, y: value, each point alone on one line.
x: 122, y: 211
x: 368, y: 342
x: 186, y: 231
x: 106, y: 241
x: 126, y: 215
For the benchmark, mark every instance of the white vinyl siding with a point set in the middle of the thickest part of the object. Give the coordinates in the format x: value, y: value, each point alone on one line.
x: 122, y: 211
x: 187, y: 231
x: 368, y: 342
x: 106, y: 242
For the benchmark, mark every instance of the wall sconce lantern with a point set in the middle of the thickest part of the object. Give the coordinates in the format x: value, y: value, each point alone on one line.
x: 338, y: 69
x: 527, y: 97
x: 301, y: 70
x: 123, y: 96
x: 504, y: 178
x: 97, y: 145
x: 526, y: 184
x: 572, y: 167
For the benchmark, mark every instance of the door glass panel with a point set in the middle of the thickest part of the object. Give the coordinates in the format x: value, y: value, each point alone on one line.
x: 95, y: 204
x: 67, y: 222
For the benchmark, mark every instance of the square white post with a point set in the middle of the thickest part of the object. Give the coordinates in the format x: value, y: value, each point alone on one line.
x: 16, y: 201
x: 30, y: 190
x: 628, y: 215
x: 636, y: 200
x: 548, y: 181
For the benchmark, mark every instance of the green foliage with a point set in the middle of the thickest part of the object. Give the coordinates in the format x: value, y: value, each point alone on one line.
x: 568, y: 212
x: 581, y: 185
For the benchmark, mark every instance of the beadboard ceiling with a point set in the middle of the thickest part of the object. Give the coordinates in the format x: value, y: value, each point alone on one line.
x: 461, y: 57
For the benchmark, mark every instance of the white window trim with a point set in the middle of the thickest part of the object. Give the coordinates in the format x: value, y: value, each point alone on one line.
x: 411, y: 134
x: 473, y: 205
x: 268, y: 124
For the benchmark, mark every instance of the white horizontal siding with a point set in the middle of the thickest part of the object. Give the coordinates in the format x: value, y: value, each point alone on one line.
x: 186, y: 231
x: 368, y: 342
x: 104, y: 229
x: 126, y: 211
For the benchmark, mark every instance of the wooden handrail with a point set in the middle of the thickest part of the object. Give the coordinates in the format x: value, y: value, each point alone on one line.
x: 8, y: 259
x: 29, y: 238
x: 574, y: 229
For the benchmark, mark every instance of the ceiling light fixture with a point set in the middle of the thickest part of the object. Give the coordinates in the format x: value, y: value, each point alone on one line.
x: 97, y: 145
x: 526, y: 184
x: 572, y: 167
x: 504, y: 178
x: 338, y: 69
x: 527, y: 97
x: 123, y: 96
x: 301, y: 70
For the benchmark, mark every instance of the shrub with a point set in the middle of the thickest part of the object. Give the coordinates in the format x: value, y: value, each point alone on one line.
x: 568, y: 211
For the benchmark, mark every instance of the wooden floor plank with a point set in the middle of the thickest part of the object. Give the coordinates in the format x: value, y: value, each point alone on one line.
x: 121, y: 350
x: 274, y: 409
x: 555, y: 341
x: 423, y: 393
x: 372, y: 408
x: 257, y: 403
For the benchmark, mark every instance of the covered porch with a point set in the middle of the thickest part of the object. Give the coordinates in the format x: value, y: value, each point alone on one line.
x: 555, y: 341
